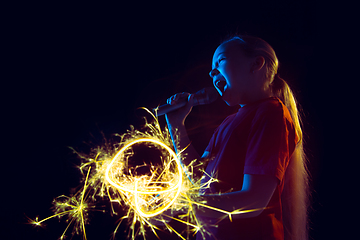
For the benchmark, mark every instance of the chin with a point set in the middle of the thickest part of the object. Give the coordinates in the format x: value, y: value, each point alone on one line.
x: 229, y: 103
x: 227, y: 99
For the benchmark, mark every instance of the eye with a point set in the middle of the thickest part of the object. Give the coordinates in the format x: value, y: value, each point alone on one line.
x: 221, y: 59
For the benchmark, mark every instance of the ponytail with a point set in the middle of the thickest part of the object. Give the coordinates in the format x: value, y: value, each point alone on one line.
x: 282, y: 91
x: 294, y: 197
x: 295, y: 193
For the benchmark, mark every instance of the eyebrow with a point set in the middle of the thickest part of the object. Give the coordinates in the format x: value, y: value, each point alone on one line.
x: 218, y: 57
x: 221, y: 53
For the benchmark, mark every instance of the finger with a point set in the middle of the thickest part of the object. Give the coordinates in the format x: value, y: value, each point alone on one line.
x: 191, y: 99
x: 174, y: 98
x: 171, y: 100
x: 179, y: 96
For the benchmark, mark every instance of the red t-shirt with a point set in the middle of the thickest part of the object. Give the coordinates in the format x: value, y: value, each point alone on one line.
x: 258, y: 139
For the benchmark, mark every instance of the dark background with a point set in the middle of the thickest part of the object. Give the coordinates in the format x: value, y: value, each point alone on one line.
x: 78, y: 70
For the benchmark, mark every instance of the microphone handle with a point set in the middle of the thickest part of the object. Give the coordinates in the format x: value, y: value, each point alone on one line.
x: 161, y: 110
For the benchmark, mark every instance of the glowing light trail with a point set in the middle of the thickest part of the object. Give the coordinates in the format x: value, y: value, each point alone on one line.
x: 167, y: 192
x: 139, y: 188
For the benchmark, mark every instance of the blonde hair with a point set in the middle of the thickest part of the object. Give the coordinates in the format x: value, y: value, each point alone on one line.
x: 295, y: 195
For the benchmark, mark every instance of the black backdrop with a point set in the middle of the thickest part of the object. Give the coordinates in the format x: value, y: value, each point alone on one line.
x: 78, y: 70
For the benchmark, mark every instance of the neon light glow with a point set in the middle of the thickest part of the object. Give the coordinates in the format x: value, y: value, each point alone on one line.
x: 167, y: 191
x: 142, y: 192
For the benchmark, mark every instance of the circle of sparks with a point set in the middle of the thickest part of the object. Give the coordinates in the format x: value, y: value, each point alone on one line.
x: 168, y: 187
x: 148, y: 195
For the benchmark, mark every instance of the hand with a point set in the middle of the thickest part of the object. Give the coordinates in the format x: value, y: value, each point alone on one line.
x: 178, y: 116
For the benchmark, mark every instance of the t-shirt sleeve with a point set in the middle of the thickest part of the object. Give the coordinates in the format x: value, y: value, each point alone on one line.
x: 211, y: 144
x: 268, y: 143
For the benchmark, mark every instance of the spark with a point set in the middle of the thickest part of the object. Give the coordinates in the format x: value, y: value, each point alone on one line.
x: 145, y: 191
x: 167, y: 192
x: 74, y: 207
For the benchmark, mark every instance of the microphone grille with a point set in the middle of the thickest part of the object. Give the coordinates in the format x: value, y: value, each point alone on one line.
x: 205, y: 96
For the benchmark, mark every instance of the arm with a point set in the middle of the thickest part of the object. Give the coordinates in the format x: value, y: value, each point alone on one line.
x: 256, y: 193
x: 257, y: 190
x: 176, y: 124
x: 188, y: 151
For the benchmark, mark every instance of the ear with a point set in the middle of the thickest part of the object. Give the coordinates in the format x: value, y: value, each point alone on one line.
x: 258, y: 64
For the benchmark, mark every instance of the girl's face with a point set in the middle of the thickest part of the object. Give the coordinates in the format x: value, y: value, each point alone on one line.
x: 232, y: 74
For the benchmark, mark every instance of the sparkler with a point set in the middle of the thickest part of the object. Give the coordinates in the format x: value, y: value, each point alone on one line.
x: 151, y: 199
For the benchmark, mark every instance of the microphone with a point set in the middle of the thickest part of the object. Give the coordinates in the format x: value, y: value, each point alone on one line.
x: 204, y: 96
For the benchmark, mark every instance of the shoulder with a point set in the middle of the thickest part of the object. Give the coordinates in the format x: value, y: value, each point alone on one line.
x: 273, y: 112
x: 271, y: 107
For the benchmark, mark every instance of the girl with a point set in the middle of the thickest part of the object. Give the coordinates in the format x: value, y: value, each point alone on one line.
x: 256, y: 154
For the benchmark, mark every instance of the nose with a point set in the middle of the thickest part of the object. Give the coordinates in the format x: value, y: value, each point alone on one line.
x: 213, y: 72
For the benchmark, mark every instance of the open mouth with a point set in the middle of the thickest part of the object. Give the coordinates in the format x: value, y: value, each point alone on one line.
x: 220, y: 85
